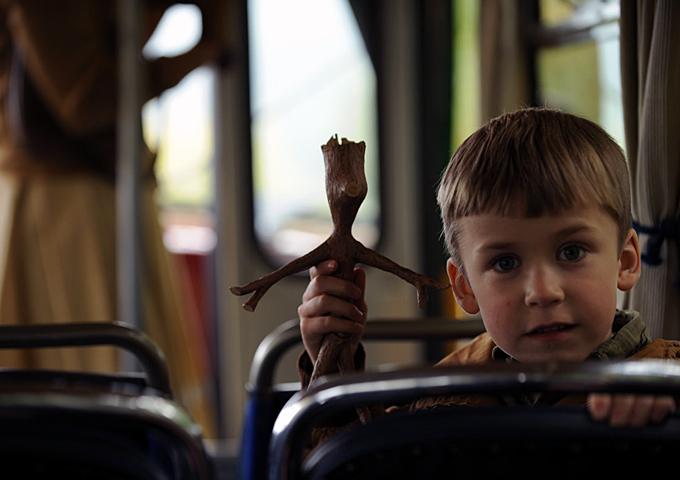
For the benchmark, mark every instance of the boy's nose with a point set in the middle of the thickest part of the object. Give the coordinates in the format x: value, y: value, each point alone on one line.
x: 543, y: 288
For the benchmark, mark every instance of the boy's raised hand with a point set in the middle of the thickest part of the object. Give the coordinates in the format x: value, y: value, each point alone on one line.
x: 630, y: 410
x: 331, y: 305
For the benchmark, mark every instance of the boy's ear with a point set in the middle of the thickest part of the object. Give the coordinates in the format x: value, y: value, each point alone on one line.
x: 461, y: 288
x: 629, y: 262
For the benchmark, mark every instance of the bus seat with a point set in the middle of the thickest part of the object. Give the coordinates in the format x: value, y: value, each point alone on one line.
x: 265, y: 399
x: 476, y: 440
x: 64, y: 424
x: 493, y: 443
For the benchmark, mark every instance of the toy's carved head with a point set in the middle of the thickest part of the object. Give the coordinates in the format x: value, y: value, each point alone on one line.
x: 346, y: 185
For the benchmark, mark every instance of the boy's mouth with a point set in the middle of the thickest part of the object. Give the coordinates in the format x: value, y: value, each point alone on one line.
x: 551, y: 328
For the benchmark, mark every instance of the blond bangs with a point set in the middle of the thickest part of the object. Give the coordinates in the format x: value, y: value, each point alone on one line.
x: 534, y: 162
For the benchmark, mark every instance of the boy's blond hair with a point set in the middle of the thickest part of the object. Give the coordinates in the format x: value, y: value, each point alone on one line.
x: 538, y: 159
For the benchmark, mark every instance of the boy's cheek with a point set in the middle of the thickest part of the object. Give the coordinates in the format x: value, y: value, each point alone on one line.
x: 501, y: 316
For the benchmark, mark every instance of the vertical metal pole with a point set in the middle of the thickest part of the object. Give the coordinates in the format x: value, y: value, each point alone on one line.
x: 128, y: 164
x: 232, y: 152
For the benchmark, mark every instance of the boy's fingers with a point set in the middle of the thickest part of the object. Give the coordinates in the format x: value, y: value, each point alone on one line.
x: 599, y: 406
x: 337, y: 325
x: 314, y: 329
x: 329, y: 305
x: 641, y: 411
x: 326, y: 267
x: 661, y: 408
x: 622, y: 409
x: 320, y: 326
x: 326, y: 285
x: 630, y: 410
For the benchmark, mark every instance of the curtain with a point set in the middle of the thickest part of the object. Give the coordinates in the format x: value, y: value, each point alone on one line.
x: 650, y: 69
x: 505, y: 83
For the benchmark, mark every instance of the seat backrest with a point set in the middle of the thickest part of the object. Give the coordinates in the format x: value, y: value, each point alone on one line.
x: 98, y: 435
x: 92, y: 334
x: 65, y: 424
x: 492, y: 442
x: 265, y: 399
x: 432, y: 438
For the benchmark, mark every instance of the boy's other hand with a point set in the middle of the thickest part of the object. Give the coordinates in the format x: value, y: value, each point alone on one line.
x: 331, y: 305
x: 630, y: 410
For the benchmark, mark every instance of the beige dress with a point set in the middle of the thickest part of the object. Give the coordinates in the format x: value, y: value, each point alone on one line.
x: 57, y: 193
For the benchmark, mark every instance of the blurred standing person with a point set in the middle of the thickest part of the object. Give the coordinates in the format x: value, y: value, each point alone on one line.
x: 58, y: 114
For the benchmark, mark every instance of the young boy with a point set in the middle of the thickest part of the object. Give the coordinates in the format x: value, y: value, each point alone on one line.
x: 536, y: 216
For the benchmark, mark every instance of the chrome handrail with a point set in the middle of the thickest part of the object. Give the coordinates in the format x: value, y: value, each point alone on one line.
x: 92, y: 334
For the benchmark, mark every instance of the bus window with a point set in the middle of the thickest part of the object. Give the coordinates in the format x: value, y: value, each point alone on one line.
x: 466, y: 82
x: 311, y: 78
x: 579, y: 71
x: 178, y: 126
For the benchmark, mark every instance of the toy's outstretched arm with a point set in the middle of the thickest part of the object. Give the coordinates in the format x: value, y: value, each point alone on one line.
x: 421, y: 282
x: 262, y: 284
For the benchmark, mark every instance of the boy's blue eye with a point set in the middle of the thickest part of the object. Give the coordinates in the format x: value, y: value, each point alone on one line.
x: 571, y: 253
x: 505, y: 264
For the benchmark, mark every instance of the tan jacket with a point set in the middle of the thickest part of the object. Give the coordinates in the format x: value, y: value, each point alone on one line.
x: 480, y: 351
